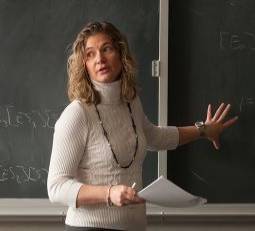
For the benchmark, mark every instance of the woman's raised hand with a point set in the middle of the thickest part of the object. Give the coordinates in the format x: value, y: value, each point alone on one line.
x: 216, y: 124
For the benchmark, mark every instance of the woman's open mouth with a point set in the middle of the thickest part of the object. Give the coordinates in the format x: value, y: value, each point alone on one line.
x: 103, y: 70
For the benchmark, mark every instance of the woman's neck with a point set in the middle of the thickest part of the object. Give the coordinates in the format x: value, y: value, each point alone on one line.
x: 110, y: 93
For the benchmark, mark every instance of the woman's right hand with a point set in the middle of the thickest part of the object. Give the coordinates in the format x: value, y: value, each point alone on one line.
x: 121, y: 195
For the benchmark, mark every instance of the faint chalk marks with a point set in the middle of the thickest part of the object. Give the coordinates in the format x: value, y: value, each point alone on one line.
x: 11, y: 117
x: 23, y: 174
x: 209, y: 8
x: 199, y: 177
x: 237, y: 41
x: 233, y: 3
x: 52, y: 116
x: 245, y: 103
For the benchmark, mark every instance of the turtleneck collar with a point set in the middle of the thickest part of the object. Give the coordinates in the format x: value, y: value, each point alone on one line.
x: 109, y: 92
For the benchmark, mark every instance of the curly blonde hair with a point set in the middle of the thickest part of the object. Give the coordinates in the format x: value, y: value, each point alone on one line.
x: 79, y: 83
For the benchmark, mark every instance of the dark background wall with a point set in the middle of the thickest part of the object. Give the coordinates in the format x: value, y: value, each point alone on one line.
x: 212, y: 57
x: 35, y: 37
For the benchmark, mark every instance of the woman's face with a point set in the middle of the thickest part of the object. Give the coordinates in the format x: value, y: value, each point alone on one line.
x: 102, y: 59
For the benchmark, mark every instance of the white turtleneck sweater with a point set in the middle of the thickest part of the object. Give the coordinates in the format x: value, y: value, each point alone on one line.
x: 81, y: 155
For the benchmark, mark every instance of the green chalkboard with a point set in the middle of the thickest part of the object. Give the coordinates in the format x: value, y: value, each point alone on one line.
x: 35, y: 37
x: 212, y: 50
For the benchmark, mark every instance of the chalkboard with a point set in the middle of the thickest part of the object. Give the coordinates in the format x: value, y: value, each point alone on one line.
x: 212, y: 57
x: 35, y: 37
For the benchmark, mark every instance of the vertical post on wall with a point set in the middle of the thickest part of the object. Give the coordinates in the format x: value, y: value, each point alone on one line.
x: 163, y: 78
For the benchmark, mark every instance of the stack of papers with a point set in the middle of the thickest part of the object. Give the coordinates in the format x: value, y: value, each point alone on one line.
x: 165, y: 193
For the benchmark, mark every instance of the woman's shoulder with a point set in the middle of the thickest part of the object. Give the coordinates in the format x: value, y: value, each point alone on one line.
x: 74, y: 113
x: 137, y: 102
x: 137, y: 106
x: 74, y: 108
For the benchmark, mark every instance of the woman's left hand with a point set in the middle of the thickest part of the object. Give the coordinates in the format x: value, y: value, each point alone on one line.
x: 215, y: 125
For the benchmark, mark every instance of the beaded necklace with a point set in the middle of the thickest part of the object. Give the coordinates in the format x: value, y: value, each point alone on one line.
x: 107, y: 137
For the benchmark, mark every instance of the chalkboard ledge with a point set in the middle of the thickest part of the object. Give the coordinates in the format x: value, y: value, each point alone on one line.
x: 31, y: 209
x: 43, y: 210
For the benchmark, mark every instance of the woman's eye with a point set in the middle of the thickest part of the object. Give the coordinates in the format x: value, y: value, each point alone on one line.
x: 108, y: 48
x: 90, y: 54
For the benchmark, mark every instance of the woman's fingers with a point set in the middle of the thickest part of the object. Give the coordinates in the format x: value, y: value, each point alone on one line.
x: 216, y: 144
x: 122, y: 195
x: 132, y: 198
x: 127, y: 196
x: 230, y: 122
x: 130, y: 194
x: 138, y: 200
x: 224, y: 113
x: 215, y: 124
x: 218, y: 112
x: 209, y: 113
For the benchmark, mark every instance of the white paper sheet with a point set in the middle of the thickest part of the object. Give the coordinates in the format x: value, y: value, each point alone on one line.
x: 165, y: 193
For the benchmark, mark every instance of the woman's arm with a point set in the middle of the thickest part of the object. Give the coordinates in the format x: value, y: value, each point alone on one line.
x: 118, y: 195
x: 169, y: 137
x: 188, y: 134
x: 214, y: 126
x: 67, y: 150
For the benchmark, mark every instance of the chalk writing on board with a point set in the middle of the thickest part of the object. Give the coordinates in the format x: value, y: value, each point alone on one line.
x: 10, y: 117
x: 233, y: 3
x: 245, y: 103
x: 237, y: 41
x: 23, y: 174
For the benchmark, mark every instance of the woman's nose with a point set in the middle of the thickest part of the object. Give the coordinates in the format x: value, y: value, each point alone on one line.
x: 100, y: 57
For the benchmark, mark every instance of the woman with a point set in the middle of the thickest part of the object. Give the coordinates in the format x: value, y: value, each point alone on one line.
x: 101, y: 138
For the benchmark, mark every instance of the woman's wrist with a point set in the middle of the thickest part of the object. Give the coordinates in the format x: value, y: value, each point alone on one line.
x: 108, y: 196
x: 201, y: 127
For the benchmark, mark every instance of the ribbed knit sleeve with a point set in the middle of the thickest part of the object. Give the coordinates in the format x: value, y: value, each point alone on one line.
x: 158, y: 137
x: 68, y: 147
